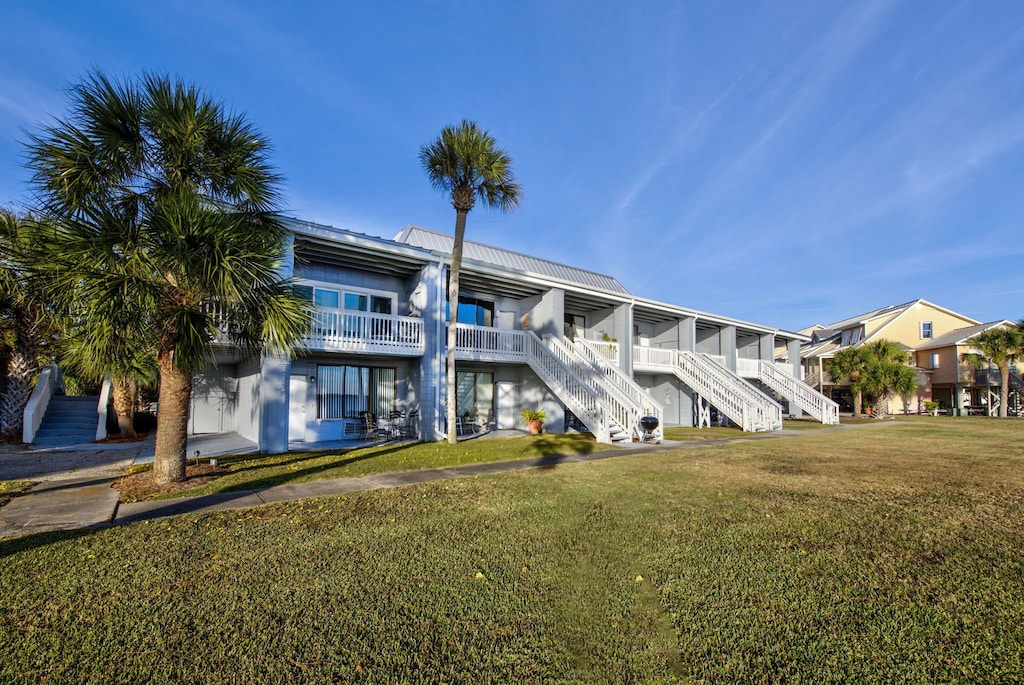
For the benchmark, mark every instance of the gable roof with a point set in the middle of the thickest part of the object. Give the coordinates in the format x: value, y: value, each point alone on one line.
x: 508, y: 259
x: 873, y: 314
x: 961, y: 335
x: 897, y: 310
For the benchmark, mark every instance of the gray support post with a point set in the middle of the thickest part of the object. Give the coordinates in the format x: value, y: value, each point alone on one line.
x: 274, y: 404
x: 274, y: 388
x: 766, y: 348
x: 688, y: 334
x: 623, y: 318
x: 432, y: 363
x: 794, y: 358
x: 727, y: 345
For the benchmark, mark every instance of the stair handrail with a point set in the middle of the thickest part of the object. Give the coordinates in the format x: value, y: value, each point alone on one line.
x: 646, y: 404
x: 798, y: 392
x: 623, y: 381
x: 50, y: 381
x: 766, y: 406
x: 581, y: 399
x: 694, y: 372
x: 617, y: 405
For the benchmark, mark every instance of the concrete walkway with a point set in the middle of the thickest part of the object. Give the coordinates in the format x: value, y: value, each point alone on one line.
x: 83, y: 498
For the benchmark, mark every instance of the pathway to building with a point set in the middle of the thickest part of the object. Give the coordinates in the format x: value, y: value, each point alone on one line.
x: 76, y: 492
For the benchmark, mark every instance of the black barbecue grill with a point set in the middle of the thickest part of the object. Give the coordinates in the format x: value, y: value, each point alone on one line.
x: 649, y: 424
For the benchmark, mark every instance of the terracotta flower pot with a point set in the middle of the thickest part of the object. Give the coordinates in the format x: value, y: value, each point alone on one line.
x: 533, y: 427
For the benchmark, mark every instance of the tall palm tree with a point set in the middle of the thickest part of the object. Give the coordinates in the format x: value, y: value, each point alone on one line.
x: 999, y: 346
x: 466, y: 162
x: 166, y: 231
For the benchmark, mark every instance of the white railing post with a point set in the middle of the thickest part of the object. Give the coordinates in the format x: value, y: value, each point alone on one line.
x: 101, y: 408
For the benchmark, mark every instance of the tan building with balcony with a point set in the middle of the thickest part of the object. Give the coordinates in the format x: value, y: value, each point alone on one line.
x: 934, y: 337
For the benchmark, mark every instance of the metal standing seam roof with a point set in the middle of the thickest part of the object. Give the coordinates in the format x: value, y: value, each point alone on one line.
x: 508, y: 259
x: 874, y: 314
x: 959, y: 335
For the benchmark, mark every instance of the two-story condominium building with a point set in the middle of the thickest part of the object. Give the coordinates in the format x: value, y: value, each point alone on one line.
x: 532, y: 333
x: 935, y: 339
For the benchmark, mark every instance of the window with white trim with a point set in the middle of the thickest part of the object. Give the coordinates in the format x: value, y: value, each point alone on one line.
x: 926, y: 330
x: 935, y: 360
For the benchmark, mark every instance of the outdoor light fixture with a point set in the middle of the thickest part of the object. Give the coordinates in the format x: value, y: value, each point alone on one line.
x: 312, y: 379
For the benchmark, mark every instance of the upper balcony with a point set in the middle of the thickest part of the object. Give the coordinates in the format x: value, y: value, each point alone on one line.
x: 341, y: 330
x: 487, y: 344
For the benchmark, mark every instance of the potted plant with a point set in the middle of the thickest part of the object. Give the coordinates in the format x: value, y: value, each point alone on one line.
x: 932, y: 407
x: 534, y: 420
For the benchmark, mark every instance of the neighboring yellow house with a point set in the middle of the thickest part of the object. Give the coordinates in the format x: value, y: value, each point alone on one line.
x: 959, y: 387
x: 934, y: 338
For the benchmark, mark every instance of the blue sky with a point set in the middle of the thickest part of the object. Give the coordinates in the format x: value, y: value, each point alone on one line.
x: 787, y: 163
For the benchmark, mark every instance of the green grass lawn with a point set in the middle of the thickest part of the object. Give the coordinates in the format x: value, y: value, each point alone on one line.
x: 251, y: 471
x: 12, y: 488
x: 891, y: 553
x: 690, y: 434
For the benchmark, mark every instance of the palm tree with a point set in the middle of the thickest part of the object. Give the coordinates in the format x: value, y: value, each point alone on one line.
x: 887, y: 372
x: 466, y: 162
x: 999, y: 346
x: 166, y: 232
x: 878, y: 368
x: 849, y: 364
x: 23, y: 324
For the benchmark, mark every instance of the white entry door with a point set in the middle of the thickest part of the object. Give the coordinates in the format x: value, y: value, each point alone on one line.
x: 297, y: 408
x: 506, y: 393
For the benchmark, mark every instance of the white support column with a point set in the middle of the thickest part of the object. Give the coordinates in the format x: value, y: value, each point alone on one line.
x: 793, y: 351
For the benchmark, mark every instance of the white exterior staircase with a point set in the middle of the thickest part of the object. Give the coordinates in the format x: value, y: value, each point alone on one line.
x: 715, y: 385
x: 638, y: 403
x: 571, y: 390
x: 799, y: 393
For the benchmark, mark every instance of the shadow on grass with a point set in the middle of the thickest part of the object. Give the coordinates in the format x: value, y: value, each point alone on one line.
x: 552, y: 453
x: 284, y: 478
x: 27, y: 543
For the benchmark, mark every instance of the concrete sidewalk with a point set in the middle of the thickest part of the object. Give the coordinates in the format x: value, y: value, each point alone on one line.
x: 86, y: 500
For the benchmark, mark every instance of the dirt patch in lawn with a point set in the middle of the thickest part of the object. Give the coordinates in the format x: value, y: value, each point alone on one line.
x: 140, y: 485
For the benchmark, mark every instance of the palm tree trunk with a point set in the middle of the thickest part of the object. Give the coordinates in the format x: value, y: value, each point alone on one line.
x: 1004, y: 389
x: 172, y: 423
x: 21, y: 371
x: 858, y: 403
x: 22, y: 367
x: 124, y: 407
x: 453, y: 308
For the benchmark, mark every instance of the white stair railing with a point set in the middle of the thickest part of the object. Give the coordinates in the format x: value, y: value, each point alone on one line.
x: 50, y: 382
x: 579, y: 397
x: 622, y: 413
x: 643, y: 403
x: 766, y: 412
x: 698, y: 375
x: 799, y: 393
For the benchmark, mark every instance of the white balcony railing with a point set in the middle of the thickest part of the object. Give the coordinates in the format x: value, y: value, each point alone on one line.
x: 486, y: 344
x: 347, y: 331
x: 747, y: 368
x: 654, y: 359
x: 606, y: 348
